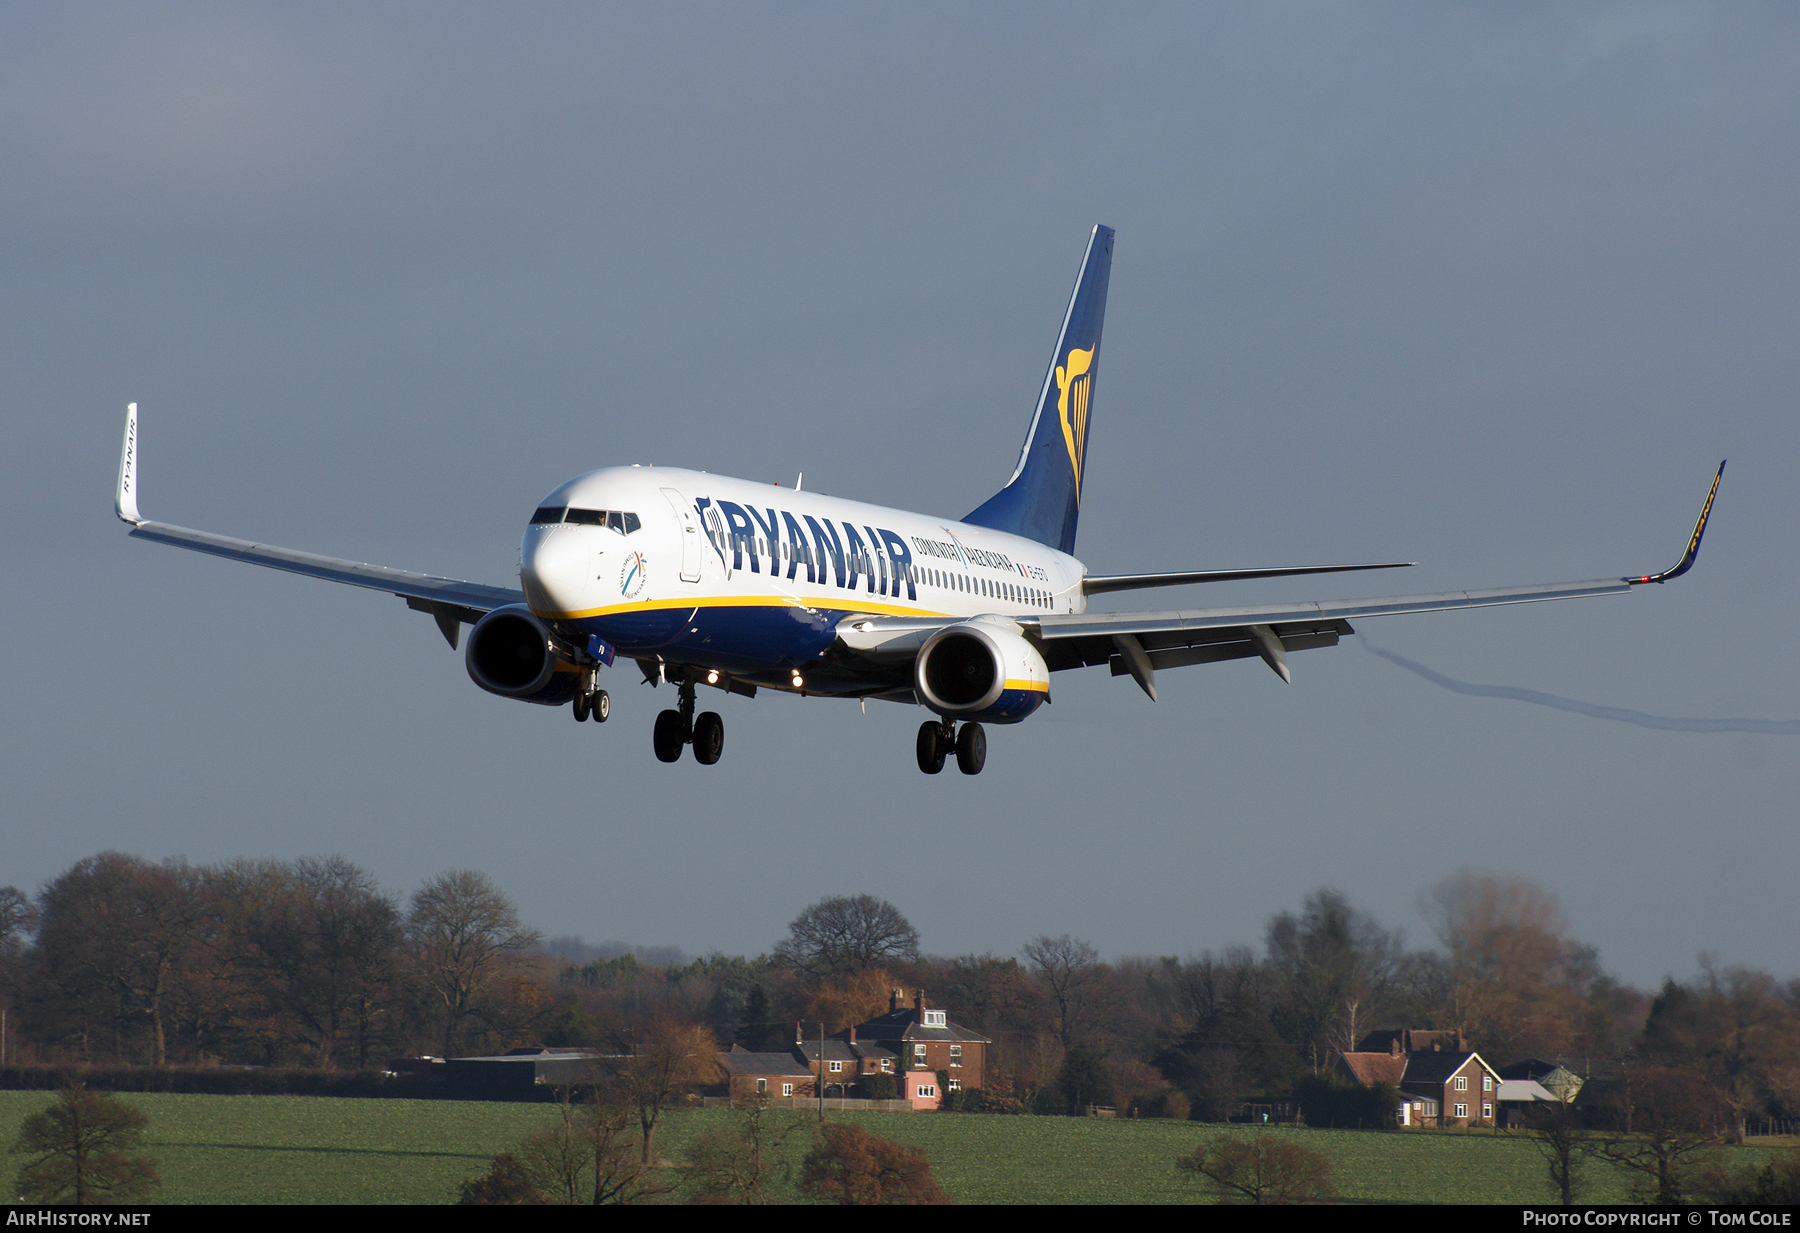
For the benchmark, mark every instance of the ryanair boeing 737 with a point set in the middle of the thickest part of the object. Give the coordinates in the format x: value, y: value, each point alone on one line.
x: 703, y: 580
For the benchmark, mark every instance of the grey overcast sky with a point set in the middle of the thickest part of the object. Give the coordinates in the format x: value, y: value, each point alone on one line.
x: 1492, y: 287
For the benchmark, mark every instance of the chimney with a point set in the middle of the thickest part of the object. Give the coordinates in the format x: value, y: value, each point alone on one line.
x: 894, y: 1001
x: 918, y: 1006
x: 852, y: 1033
x: 798, y: 1038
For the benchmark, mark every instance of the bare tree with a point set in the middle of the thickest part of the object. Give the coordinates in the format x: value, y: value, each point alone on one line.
x: 77, y: 1151
x: 1261, y: 1170
x: 650, y: 1067
x: 18, y: 916
x: 1334, y: 966
x: 1557, y: 1137
x: 848, y: 933
x: 331, y: 941
x: 585, y: 1157
x: 1668, y: 1116
x: 114, y: 938
x: 1516, y: 976
x: 464, y: 933
x: 743, y: 1162
x: 1069, y: 968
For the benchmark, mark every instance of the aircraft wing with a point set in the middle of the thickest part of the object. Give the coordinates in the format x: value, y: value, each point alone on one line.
x: 1138, y: 643
x: 451, y: 602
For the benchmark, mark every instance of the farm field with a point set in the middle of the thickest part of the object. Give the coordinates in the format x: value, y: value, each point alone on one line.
x: 287, y: 1149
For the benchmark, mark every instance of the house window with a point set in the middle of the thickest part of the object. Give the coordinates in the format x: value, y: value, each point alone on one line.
x: 918, y: 1053
x: 1459, y: 1110
x: 1487, y: 1083
x: 928, y: 1089
x: 837, y: 1067
x: 1462, y: 1083
x: 1487, y: 1111
x: 887, y: 1064
x: 955, y: 1085
x: 934, y: 1018
x: 787, y: 1089
x: 762, y: 1086
x: 956, y: 1055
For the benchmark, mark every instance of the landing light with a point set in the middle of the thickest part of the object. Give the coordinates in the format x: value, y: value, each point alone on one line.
x: 712, y: 678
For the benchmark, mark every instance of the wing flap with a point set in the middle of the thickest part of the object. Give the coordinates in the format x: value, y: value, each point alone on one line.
x: 1102, y: 584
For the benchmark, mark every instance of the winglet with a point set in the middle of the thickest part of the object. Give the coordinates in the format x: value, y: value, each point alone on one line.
x: 1693, y: 549
x: 125, y: 499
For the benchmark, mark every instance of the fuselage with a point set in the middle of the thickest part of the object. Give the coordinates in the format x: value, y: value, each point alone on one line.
x: 753, y: 579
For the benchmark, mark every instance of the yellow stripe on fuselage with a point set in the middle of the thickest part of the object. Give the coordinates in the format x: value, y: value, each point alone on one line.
x: 854, y: 604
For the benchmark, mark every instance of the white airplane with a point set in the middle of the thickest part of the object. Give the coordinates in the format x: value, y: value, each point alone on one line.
x: 740, y: 586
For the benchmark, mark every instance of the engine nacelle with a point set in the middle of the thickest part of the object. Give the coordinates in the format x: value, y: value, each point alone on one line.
x: 980, y: 671
x: 510, y: 653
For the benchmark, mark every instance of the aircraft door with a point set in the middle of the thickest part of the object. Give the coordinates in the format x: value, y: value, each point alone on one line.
x: 690, y: 535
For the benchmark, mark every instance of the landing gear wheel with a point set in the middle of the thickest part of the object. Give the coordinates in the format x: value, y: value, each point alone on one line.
x: 709, y: 737
x: 581, y: 707
x: 670, y: 736
x: 971, y: 749
x: 599, y: 707
x: 932, y: 747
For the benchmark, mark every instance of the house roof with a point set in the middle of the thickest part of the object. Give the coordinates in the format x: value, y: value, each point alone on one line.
x: 1409, y: 1040
x: 1372, y: 1068
x: 1525, y: 1090
x: 1436, y: 1068
x: 842, y: 1051
x: 742, y: 1063
x: 903, y: 1024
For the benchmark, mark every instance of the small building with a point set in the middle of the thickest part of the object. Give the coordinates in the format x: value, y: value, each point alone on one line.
x: 749, y: 1075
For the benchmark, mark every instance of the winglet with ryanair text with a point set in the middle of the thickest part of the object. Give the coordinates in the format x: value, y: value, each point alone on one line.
x: 1693, y: 549
x: 125, y: 499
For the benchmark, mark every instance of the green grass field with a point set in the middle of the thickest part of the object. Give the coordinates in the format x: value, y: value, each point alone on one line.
x: 268, y: 1149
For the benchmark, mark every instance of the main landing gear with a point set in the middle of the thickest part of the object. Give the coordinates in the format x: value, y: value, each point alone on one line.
x: 706, y: 731
x: 938, y: 737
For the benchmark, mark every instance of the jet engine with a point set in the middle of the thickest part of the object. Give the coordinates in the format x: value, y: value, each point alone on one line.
x: 981, y: 671
x: 511, y: 653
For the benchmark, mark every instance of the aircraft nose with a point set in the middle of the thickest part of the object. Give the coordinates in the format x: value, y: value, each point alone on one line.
x: 556, y: 569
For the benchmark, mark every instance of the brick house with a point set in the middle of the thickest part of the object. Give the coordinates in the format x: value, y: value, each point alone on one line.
x: 1441, y: 1082
x: 925, y: 1042
x: 749, y: 1074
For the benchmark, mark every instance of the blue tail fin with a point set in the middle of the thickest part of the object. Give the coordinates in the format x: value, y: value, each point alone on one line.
x: 1043, y: 498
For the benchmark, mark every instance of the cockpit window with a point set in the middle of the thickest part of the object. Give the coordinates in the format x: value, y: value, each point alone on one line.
x: 622, y: 521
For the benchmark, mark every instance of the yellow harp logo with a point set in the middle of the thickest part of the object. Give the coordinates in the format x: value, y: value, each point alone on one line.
x: 1072, y: 405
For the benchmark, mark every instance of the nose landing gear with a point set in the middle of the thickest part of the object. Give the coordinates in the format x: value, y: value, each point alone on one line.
x: 706, y: 732
x: 938, y: 737
x: 592, y: 703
